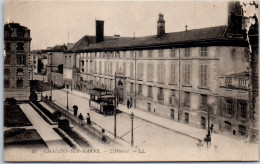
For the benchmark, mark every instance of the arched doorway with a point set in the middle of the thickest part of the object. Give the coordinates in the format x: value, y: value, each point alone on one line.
x: 120, y: 92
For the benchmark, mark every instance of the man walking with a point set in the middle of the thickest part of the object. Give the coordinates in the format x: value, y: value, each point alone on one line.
x: 88, y: 119
x: 80, y: 118
x: 128, y: 103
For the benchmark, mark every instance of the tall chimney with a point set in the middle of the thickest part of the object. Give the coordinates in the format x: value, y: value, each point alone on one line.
x: 99, y: 31
x: 160, y: 25
x: 235, y: 14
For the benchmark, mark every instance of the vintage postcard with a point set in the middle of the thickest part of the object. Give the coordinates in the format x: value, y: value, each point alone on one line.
x: 122, y: 81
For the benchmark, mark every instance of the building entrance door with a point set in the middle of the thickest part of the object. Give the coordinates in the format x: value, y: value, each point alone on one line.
x: 172, y: 114
x: 203, y: 122
x: 187, y: 118
x: 149, y: 107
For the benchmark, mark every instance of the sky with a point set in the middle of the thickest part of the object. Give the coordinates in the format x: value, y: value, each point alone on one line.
x: 59, y: 22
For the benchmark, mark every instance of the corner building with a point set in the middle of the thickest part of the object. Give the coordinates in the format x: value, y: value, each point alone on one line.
x: 16, y: 61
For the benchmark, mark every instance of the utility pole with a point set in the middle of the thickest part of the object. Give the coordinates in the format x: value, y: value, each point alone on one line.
x: 115, y: 95
x: 132, y: 129
x: 179, y: 85
x: 51, y: 90
x: 135, y: 80
x: 208, y: 137
x: 71, y: 85
x: 41, y: 91
x: 67, y: 100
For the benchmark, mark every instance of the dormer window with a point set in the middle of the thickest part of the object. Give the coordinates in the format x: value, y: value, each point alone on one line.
x: 8, y: 33
x: 20, y: 33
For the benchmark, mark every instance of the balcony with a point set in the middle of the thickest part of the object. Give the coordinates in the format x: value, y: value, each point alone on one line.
x: 236, y: 81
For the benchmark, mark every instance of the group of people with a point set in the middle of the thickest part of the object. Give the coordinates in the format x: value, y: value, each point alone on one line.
x: 81, y: 117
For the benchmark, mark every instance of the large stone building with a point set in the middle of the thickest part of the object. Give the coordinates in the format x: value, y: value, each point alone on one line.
x: 73, y: 65
x: 16, y: 61
x: 181, y: 75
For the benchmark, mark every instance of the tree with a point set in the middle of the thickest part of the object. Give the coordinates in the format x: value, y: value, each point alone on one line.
x: 33, y: 96
x: 11, y: 101
x: 60, y: 68
x: 56, y: 115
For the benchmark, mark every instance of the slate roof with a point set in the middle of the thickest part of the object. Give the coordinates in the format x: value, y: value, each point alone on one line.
x: 58, y: 48
x: 85, y: 41
x: 175, y: 38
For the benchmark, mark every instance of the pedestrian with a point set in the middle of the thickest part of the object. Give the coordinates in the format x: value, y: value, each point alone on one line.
x: 75, y: 111
x: 128, y: 103
x: 103, y: 138
x: 88, y: 119
x: 80, y: 119
x: 211, y: 128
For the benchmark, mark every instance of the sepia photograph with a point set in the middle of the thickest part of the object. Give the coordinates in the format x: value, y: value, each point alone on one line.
x: 130, y: 81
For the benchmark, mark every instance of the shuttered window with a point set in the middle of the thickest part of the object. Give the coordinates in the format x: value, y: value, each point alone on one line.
x: 140, y: 71
x: 124, y: 69
x: 100, y: 67
x: 160, y: 73
x: 203, y: 75
x: 150, y: 72
x: 132, y: 70
x: 172, y: 75
x: 187, y: 71
x: 111, y: 68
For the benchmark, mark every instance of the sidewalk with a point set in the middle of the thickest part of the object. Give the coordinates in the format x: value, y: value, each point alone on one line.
x: 51, y: 138
x: 181, y: 128
x: 78, y: 93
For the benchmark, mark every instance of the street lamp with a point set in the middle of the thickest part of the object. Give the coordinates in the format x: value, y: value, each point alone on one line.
x: 208, y: 137
x: 132, y: 128
x: 51, y: 90
x: 115, y: 95
x: 67, y: 100
x: 116, y: 100
x: 41, y: 90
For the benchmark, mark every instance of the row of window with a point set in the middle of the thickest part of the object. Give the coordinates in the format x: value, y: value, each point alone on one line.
x: 19, y: 83
x: 20, y: 33
x: 241, y: 128
x: 139, y: 53
x: 19, y: 46
x: 241, y: 81
x: 19, y: 71
x: 161, y: 68
x: 20, y: 59
x: 230, y: 109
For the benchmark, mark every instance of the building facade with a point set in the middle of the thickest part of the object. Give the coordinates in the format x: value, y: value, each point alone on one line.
x: 55, y: 60
x: 182, y: 76
x: 16, y: 61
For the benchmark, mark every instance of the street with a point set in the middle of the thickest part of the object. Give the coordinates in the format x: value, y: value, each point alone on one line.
x: 154, y: 138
